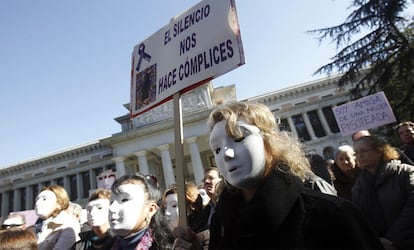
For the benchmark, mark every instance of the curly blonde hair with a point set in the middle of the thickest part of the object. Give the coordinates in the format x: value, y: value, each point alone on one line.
x: 281, y: 148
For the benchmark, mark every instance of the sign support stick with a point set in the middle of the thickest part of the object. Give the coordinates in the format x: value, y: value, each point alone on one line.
x: 179, y: 166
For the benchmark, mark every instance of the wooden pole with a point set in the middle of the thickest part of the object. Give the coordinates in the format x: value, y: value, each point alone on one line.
x: 179, y: 165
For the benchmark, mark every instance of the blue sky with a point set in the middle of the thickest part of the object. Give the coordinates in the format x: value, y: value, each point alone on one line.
x: 65, y: 65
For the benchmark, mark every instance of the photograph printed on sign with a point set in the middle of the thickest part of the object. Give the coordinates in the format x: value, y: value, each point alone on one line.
x: 146, y: 86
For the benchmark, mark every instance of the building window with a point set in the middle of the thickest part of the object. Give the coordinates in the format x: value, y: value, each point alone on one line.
x: 86, y: 184
x: 73, y: 187
x: 46, y: 184
x: 330, y: 118
x: 60, y: 182
x: 316, y: 123
x: 284, y: 125
x: 301, y: 127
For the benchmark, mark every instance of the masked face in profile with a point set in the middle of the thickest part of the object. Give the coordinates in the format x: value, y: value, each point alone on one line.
x: 46, y: 204
x: 97, y: 212
x: 171, y: 210
x: 240, y: 160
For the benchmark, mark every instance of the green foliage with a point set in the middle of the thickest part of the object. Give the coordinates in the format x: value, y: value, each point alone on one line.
x: 381, y: 59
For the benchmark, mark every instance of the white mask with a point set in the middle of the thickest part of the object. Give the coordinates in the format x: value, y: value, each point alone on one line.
x: 97, y: 212
x: 242, y: 160
x: 127, y: 209
x: 171, y: 210
x: 46, y: 203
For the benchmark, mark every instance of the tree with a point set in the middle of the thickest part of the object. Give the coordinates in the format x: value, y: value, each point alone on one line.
x: 381, y: 59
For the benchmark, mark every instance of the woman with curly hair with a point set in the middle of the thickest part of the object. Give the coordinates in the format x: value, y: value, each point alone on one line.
x: 384, y: 191
x: 265, y: 205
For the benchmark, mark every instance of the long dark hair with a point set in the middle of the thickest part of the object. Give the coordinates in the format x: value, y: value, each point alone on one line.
x: 161, y: 233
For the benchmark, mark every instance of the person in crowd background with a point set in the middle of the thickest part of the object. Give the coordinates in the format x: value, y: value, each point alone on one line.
x: 134, y: 214
x: 319, y: 166
x: 17, y: 239
x: 405, y: 131
x: 14, y: 220
x: 384, y: 192
x: 211, y: 178
x: 265, y: 205
x: 55, y: 228
x: 75, y: 210
x: 197, y: 214
x: 319, y: 177
x: 344, y: 171
x: 359, y: 134
x: 97, y: 212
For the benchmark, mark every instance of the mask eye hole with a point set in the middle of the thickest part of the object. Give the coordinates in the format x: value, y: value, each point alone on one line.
x: 217, y: 151
x: 239, y: 139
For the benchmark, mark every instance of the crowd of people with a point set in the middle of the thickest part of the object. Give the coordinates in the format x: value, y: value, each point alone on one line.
x: 265, y: 193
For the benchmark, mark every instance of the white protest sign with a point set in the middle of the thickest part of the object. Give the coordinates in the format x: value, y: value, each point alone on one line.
x: 196, y: 46
x: 364, y: 113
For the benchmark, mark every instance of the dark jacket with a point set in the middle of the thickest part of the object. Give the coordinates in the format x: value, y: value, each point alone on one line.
x: 89, y: 241
x: 344, y: 183
x: 285, y: 215
x: 387, y: 201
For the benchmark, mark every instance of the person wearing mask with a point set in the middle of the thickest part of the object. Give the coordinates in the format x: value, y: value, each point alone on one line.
x: 55, y: 228
x: 135, y: 216
x: 344, y: 171
x: 384, y: 192
x: 97, y: 211
x: 197, y: 214
x: 265, y: 204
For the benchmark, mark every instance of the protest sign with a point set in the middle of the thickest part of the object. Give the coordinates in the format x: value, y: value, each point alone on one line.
x: 196, y: 46
x: 364, y: 113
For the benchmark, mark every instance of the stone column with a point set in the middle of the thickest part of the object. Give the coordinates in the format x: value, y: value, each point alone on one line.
x: 292, y: 126
x: 5, y: 204
x: 17, y: 199
x: 324, y: 122
x: 79, y: 186
x: 120, y: 165
x: 142, y: 162
x: 167, y: 165
x: 29, y: 197
x: 92, y: 178
x: 196, y: 160
x: 308, y: 126
x: 66, y: 184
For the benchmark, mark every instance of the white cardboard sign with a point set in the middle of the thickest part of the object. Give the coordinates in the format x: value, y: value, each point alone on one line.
x: 364, y: 113
x: 196, y: 46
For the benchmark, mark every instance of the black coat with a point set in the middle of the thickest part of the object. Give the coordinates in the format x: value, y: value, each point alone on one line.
x: 387, y: 200
x: 285, y: 215
x: 89, y: 241
x: 344, y: 183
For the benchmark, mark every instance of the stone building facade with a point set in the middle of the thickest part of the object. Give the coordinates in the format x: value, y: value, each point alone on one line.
x: 146, y: 143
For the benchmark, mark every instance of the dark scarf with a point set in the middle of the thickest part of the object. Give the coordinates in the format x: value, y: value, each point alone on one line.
x: 92, y: 241
x: 131, y: 242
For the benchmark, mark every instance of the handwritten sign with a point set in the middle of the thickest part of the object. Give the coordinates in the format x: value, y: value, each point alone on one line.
x: 196, y: 46
x: 365, y: 113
